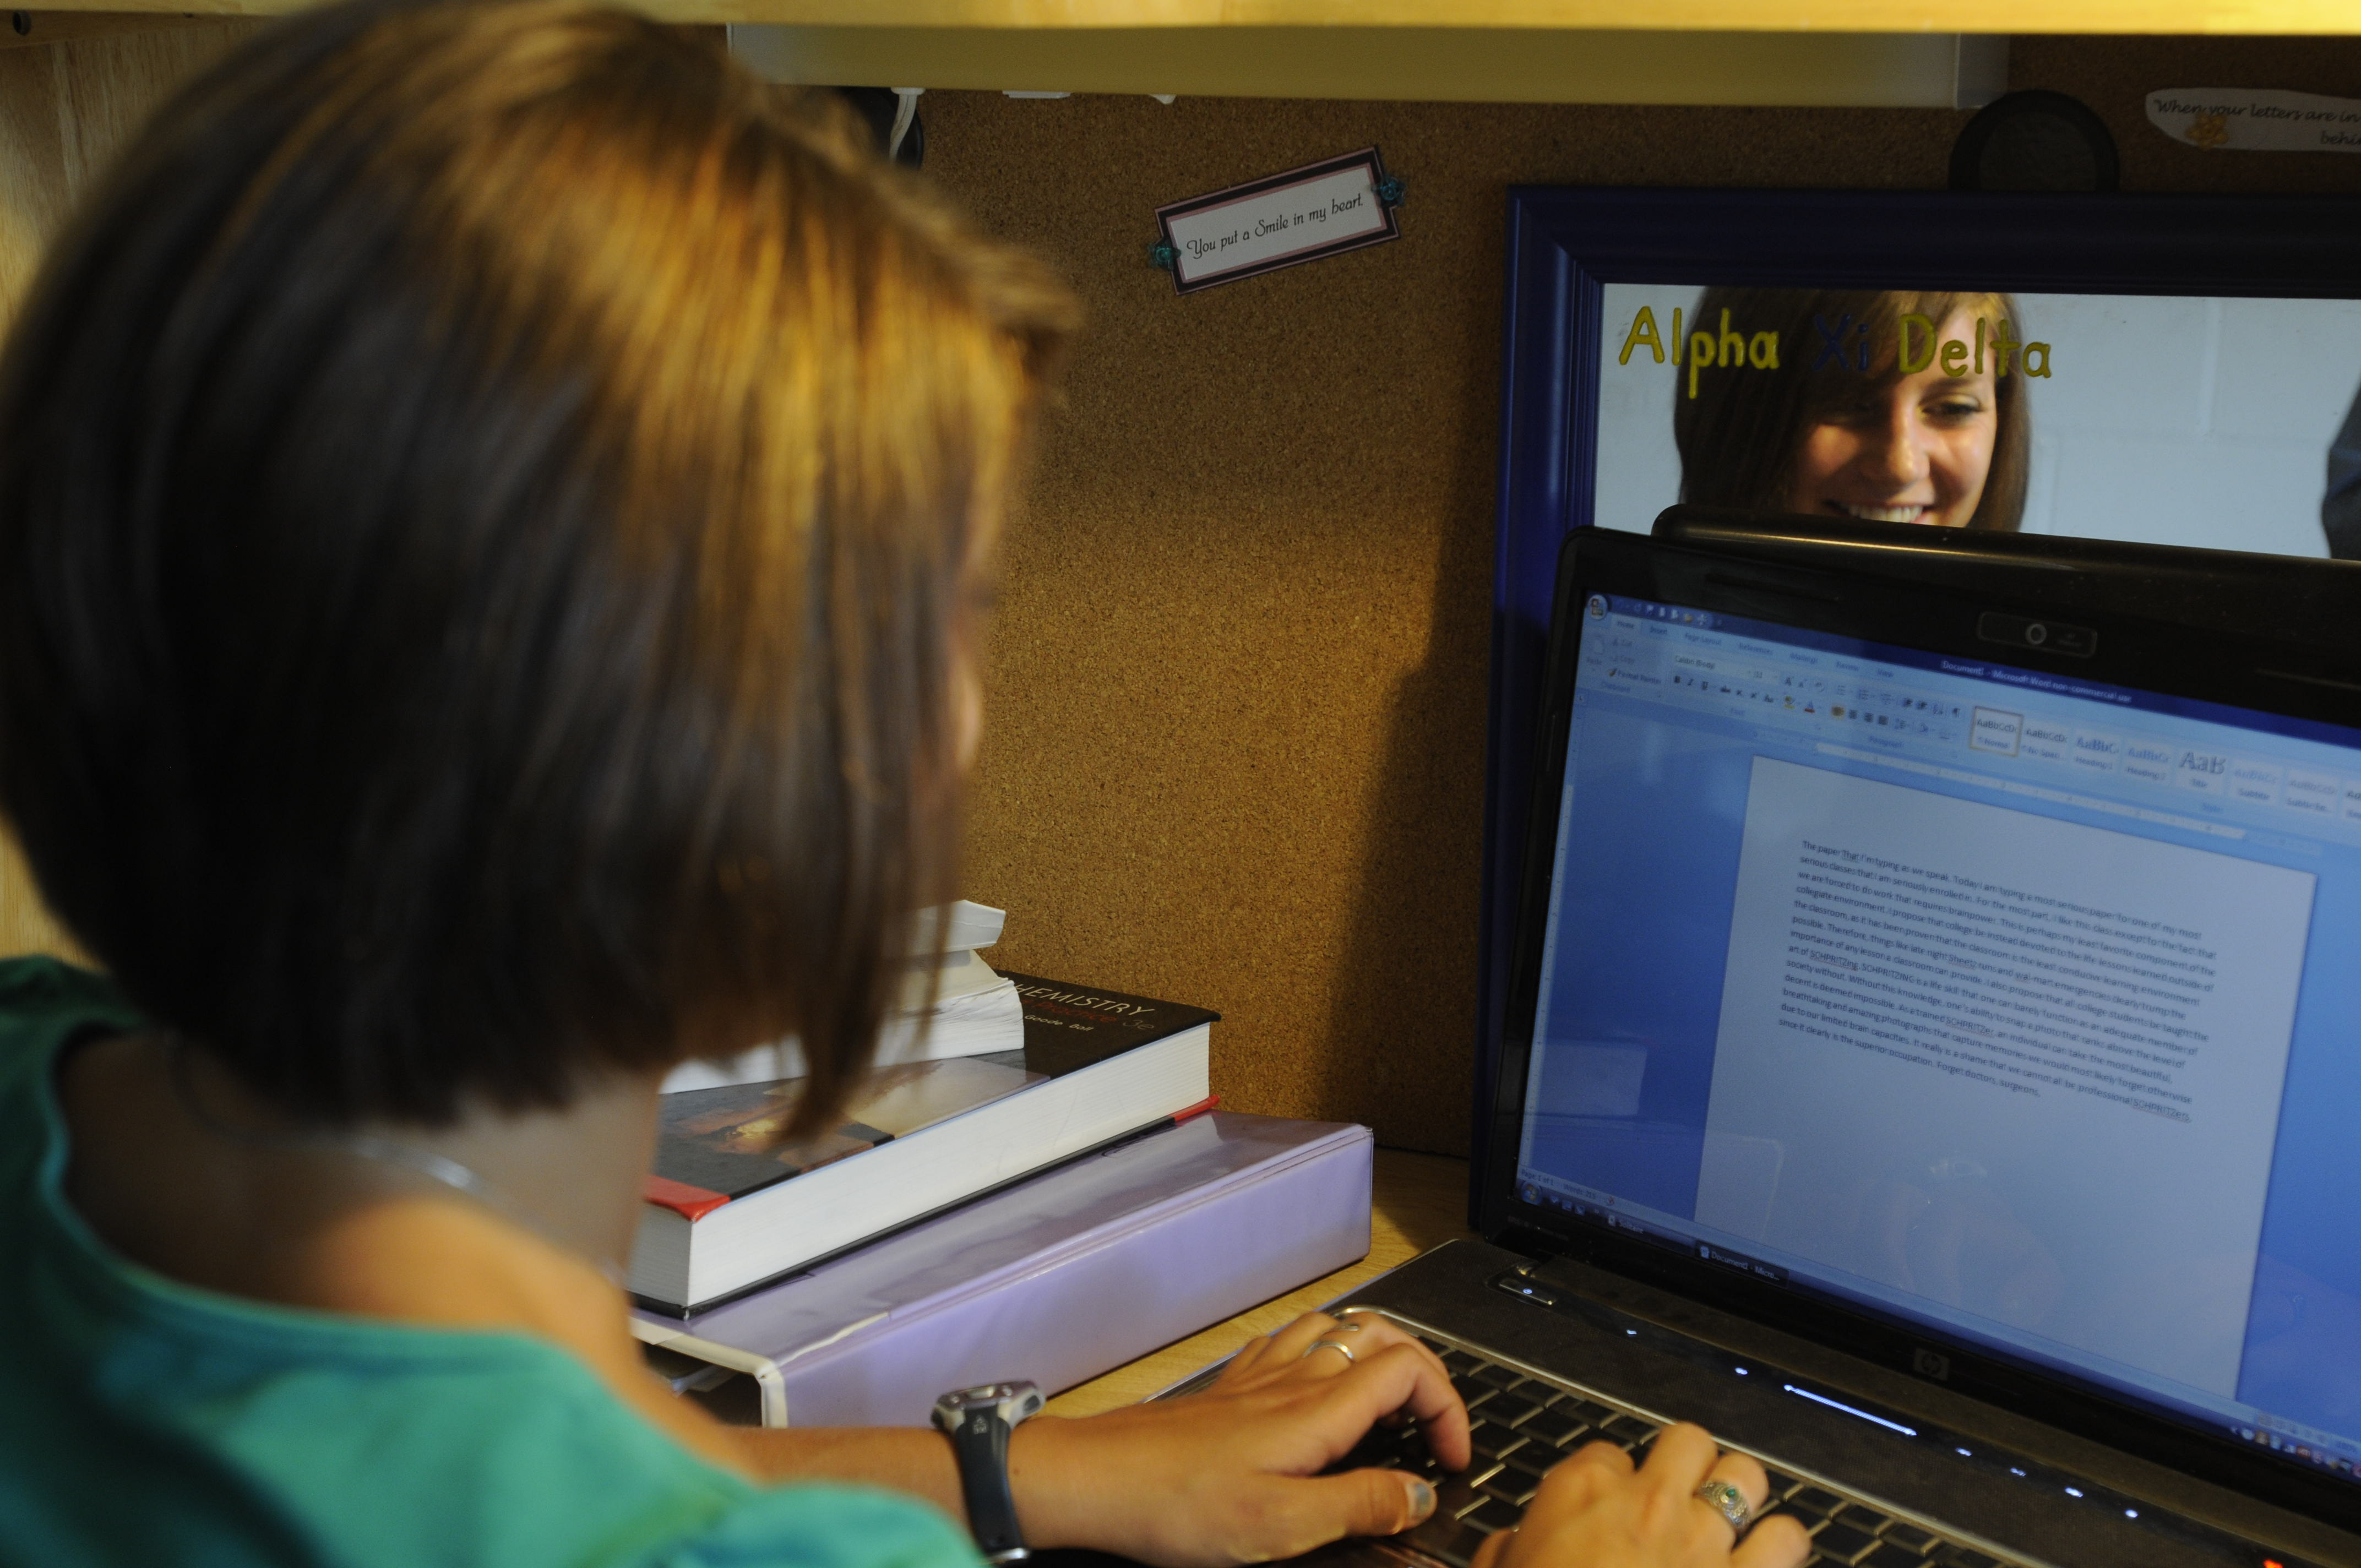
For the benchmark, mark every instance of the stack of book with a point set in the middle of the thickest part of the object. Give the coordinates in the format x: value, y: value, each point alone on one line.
x: 730, y: 1207
x: 1007, y: 1187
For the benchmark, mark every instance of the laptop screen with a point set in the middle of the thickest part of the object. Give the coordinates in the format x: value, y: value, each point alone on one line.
x: 2013, y: 1006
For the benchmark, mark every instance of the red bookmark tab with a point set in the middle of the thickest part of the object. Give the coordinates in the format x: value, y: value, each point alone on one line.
x: 692, y: 1203
x: 1199, y: 1109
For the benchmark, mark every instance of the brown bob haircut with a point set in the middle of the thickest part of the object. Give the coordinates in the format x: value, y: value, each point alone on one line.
x: 490, y: 501
x: 1739, y: 436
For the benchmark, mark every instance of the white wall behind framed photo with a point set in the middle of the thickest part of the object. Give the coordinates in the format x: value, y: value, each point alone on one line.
x: 2169, y: 420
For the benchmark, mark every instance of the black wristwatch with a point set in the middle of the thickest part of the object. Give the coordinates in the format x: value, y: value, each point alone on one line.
x: 979, y: 1421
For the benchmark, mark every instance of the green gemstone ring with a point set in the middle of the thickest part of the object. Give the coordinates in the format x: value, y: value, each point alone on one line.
x: 1724, y: 1498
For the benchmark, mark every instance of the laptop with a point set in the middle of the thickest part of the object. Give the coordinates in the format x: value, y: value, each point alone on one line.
x: 1932, y: 1061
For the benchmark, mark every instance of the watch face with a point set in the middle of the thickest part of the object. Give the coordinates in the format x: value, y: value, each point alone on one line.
x: 1025, y: 1396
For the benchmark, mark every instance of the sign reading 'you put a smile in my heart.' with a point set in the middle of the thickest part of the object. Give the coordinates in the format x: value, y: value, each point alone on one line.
x: 1281, y: 220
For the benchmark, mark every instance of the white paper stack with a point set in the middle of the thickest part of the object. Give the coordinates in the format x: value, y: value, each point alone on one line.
x: 973, y: 1012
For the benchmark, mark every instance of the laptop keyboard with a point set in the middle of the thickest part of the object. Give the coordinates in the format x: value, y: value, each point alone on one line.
x: 1521, y: 1425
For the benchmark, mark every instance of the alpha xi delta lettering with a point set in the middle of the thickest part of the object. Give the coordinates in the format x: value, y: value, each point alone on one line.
x: 731, y: 1204
x: 1731, y: 348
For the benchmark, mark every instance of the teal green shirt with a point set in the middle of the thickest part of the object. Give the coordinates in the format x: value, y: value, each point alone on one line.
x: 145, y: 1422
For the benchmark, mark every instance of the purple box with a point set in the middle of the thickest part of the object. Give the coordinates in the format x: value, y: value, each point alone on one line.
x: 1058, y: 1279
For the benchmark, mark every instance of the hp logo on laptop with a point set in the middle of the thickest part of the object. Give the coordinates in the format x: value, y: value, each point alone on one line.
x: 1931, y: 1363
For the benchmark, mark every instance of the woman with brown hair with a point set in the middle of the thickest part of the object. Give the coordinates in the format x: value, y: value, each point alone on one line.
x: 495, y: 518
x: 1854, y: 403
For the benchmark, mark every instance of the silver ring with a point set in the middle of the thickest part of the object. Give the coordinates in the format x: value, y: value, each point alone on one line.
x: 1724, y: 1498
x: 1344, y: 1349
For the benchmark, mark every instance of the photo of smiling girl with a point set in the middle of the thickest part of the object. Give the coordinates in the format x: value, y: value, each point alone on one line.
x: 1840, y: 422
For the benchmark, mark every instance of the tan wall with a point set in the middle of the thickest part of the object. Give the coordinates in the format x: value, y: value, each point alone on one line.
x: 64, y: 109
x: 1237, y: 684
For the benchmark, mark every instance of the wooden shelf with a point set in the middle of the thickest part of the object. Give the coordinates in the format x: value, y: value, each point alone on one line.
x: 1736, y: 16
x: 2186, y: 17
x: 1417, y: 64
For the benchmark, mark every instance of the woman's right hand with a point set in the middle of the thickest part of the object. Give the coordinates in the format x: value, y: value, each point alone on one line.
x: 1596, y: 1510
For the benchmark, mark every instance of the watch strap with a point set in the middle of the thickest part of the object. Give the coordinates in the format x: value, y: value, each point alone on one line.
x: 980, y: 1444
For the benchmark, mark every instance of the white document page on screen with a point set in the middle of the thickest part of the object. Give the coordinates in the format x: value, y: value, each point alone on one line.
x: 2024, y: 1069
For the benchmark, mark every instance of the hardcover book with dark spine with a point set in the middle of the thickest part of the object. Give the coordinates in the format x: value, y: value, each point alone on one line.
x: 731, y: 1208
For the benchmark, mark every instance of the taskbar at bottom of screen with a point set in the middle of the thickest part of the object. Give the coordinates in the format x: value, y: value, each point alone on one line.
x: 1546, y: 1191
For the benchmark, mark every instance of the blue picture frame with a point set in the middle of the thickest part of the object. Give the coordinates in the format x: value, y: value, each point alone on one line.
x: 1565, y: 244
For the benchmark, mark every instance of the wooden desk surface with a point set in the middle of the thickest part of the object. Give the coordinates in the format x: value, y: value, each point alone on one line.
x: 1420, y: 1201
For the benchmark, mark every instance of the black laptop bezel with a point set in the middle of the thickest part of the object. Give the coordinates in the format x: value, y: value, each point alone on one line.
x: 2305, y: 681
x: 2300, y: 599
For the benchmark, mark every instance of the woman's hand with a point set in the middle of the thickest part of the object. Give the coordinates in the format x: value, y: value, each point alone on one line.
x: 1232, y: 1474
x: 1596, y: 1511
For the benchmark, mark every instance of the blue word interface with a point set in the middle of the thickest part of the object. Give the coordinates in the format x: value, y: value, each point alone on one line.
x: 2013, y: 1005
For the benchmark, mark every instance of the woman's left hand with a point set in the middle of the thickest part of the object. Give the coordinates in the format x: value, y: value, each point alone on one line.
x: 1231, y: 1475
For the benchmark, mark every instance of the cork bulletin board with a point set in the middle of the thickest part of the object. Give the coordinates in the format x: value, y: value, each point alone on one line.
x: 1238, y: 686
x: 1234, y: 751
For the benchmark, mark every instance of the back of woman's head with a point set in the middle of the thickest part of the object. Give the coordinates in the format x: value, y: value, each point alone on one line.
x: 489, y: 502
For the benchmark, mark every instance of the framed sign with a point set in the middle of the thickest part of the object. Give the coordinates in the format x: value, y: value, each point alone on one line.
x: 2176, y: 369
x: 1282, y: 220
